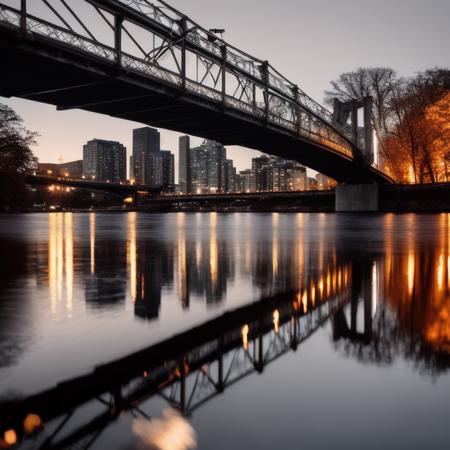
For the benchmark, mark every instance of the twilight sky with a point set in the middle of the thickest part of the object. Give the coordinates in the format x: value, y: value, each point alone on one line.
x: 310, y: 42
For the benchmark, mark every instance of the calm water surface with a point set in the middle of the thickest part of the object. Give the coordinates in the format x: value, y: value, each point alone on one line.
x: 225, y: 331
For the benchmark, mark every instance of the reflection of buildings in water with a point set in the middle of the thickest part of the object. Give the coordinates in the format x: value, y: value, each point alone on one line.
x: 60, y: 262
x: 296, y: 265
x: 105, y: 275
x: 204, y: 266
x: 150, y: 267
x: 154, y: 270
x: 106, y: 286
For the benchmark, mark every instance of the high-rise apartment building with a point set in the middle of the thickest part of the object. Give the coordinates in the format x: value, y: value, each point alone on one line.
x: 104, y: 160
x: 168, y: 171
x: 285, y: 175
x: 151, y: 169
x: 230, y: 176
x: 199, y: 170
x: 146, y: 141
x: 245, y: 181
x: 260, y: 167
x: 184, y: 165
x: 276, y: 174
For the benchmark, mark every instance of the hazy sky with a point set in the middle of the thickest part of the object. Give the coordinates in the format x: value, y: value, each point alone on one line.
x: 310, y: 42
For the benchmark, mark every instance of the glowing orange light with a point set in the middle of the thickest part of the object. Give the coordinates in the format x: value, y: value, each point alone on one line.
x: 276, y: 321
x: 305, y: 302
x: 10, y: 437
x: 244, y: 333
x: 31, y: 423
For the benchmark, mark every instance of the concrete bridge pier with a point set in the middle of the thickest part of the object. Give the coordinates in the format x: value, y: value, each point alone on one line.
x: 357, y: 198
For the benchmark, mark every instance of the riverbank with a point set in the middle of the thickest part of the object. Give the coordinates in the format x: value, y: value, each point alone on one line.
x: 424, y: 198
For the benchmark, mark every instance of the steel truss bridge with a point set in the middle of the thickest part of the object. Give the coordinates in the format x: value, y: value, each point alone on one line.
x: 147, y: 62
x: 186, y: 370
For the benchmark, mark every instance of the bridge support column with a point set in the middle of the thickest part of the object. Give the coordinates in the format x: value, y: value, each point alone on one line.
x: 356, y: 197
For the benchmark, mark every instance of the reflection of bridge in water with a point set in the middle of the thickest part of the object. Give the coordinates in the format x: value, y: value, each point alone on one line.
x: 187, y: 370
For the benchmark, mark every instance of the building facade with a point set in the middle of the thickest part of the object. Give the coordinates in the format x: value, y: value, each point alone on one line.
x: 72, y: 169
x: 261, y: 173
x: 230, y: 176
x: 245, y: 181
x: 168, y: 171
x: 104, y: 160
x: 184, y: 165
x: 208, y: 162
x: 146, y: 141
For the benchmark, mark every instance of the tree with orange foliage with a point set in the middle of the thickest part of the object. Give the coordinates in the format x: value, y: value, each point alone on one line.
x: 411, y: 119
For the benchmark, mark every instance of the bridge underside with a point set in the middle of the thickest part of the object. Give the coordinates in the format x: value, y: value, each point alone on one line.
x: 35, y: 69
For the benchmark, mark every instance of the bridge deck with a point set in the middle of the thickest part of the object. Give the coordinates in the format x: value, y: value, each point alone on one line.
x: 41, y: 68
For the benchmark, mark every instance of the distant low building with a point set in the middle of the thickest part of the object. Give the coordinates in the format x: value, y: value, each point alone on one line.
x: 311, y: 184
x: 245, y: 181
x: 324, y: 183
x: 72, y: 169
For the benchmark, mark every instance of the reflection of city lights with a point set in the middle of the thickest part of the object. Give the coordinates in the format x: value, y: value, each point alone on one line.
x: 328, y: 283
x: 374, y: 288
x: 320, y: 286
x: 60, y: 259
x: 182, y: 262
x: 92, y: 240
x: 132, y: 254
x: 213, y: 252
x: 276, y: 321
x: 173, y: 432
x: 313, y: 294
x: 440, y: 272
x: 410, y: 272
x: 244, y: 333
x: 305, y: 301
x: 69, y: 260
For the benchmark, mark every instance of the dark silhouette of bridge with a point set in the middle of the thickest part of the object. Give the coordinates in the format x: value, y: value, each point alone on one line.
x: 147, y: 62
x: 119, y: 189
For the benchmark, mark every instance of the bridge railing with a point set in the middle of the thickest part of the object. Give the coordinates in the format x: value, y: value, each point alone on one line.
x: 155, y: 40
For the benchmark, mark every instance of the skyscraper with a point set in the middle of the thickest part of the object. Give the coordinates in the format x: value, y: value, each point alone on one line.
x: 104, y: 160
x: 217, y: 156
x: 151, y: 167
x: 146, y: 140
x: 168, y: 171
x: 208, y: 167
x: 199, y: 170
x: 230, y: 176
x: 260, y: 173
x: 184, y: 165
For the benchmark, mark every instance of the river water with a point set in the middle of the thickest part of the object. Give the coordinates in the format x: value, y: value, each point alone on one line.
x: 225, y: 331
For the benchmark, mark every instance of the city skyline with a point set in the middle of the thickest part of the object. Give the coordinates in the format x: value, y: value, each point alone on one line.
x: 388, y: 35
